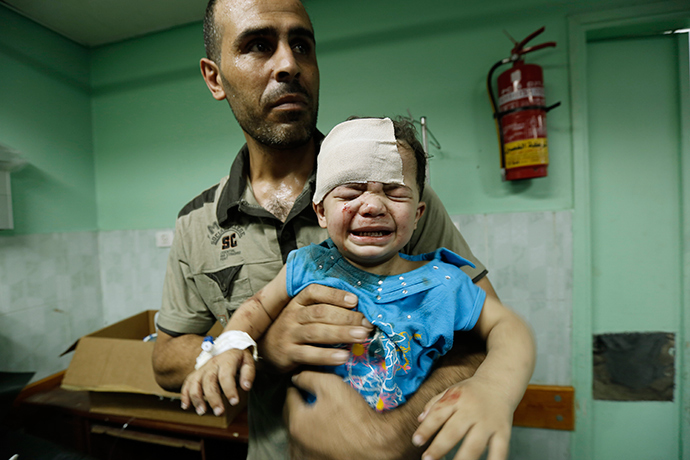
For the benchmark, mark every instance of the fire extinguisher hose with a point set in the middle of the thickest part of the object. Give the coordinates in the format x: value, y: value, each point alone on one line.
x: 494, y: 107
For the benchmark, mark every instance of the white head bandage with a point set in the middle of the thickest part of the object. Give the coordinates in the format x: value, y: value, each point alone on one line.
x: 358, y: 151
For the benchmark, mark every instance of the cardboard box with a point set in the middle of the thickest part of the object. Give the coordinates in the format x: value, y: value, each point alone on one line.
x: 114, y: 365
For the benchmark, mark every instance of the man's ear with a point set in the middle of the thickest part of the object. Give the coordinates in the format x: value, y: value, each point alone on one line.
x: 320, y: 214
x: 211, y: 74
x: 421, y: 207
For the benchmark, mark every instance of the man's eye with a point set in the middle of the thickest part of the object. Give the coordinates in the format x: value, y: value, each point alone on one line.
x: 302, y: 48
x: 259, y: 46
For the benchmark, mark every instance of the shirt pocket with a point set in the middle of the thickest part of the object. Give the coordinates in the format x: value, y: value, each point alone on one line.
x: 224, y: 290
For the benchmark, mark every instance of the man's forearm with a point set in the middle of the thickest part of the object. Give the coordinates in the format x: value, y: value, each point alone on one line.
x: 174, y: 358
x: 459, y: 364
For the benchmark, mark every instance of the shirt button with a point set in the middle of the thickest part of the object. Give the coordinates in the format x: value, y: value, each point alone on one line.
x: 380, y: 282
x: 401, y: 278
x: 403, y: 283
x: 378, y: 297
x: 447, y: 277
x: 404, y: 291
x: 359, y: 283
x: 409, y: 316
x: 380, y: 289
x: 380, y: 316
x: 435, y: 267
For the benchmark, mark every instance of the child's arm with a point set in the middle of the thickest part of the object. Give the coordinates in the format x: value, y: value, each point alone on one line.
x: 257, y: 313
x: 254, y: 316
x: 480, y: 409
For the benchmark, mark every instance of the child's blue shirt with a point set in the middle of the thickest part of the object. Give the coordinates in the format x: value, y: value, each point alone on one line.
x: 415, y: 315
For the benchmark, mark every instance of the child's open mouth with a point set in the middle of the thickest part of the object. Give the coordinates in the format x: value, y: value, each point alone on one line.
x: 379, y: 233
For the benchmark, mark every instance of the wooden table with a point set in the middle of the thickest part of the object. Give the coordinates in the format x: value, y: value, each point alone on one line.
x: 45, y: 410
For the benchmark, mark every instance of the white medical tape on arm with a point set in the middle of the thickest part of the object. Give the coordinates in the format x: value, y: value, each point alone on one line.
x: 230, y: 340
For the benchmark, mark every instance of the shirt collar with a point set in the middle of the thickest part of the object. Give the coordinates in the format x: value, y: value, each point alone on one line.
x: 231, y: 204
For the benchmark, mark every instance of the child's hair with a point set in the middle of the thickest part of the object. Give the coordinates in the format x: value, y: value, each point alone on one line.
x: 406, y: 133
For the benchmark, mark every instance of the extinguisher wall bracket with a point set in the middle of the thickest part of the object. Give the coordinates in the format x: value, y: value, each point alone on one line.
x: 499, y: 115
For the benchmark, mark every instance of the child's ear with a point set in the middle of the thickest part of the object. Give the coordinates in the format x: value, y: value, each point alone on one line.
x: 320, y: 214
x: 421, y: 207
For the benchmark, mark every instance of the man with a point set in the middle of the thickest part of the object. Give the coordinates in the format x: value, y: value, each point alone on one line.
x: 233, y: 238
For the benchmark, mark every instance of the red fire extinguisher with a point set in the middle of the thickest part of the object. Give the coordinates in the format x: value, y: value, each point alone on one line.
x: 521, y: 114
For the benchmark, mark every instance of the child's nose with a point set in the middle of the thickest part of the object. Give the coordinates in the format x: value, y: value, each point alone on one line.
x: 372, y: 205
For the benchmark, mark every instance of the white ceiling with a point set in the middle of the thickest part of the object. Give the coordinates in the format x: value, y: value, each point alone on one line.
x: 98, y: 22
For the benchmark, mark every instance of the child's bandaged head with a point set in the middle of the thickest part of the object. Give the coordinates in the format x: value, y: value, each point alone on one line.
x: 358, y: 151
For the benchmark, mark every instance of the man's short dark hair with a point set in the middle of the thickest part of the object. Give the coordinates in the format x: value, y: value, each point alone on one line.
x: 406, y: 133
x: 212, y: 36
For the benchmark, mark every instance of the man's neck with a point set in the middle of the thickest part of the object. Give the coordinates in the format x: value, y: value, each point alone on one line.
x: 278, y: 175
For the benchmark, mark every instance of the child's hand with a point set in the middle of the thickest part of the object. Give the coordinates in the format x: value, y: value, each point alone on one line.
x: 474, y: 410
x: 219, y: 373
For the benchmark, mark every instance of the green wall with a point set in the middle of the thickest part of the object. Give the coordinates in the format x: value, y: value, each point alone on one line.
x: 160, y: 138
x: 140, y: 114
x: 45, y: 113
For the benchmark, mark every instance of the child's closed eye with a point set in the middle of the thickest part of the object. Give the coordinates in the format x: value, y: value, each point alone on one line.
x: 348, y: 192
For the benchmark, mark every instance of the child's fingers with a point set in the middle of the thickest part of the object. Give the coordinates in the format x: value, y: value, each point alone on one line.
x: 211, y: 389
x: 247, y: 371
x: 428, y: 406
x: 451, y: 433
x: 184, y: 399
x: 190, y: 388
x: 473, y: 445
x: 228, y: 376
x: 434, y: 416
x: 431, y: 424
x: 499, y: 446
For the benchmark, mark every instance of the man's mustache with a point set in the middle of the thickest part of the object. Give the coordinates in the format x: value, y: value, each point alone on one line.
x: 285, y: 89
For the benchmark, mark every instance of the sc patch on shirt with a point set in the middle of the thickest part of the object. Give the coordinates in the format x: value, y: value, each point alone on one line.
x: 228, y: 238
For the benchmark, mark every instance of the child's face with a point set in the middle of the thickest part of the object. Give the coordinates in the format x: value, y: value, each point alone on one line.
x: 370, y: 223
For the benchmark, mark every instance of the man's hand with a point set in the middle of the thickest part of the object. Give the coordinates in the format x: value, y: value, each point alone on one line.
x: 317, y: 315
x: 219, y: 370
x: 348, y: 428
x: 474, y: 410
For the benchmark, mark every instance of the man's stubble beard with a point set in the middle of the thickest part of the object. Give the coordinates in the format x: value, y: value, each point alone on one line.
x: 294, y: 129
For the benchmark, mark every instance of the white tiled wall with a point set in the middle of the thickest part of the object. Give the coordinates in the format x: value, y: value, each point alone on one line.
x: 55, y: 288
x: 132, y: 272
x: 50, y: 295
x: 529, y: 257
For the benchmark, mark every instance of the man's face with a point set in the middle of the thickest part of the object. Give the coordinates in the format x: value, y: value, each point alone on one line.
x: 268, y: 69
